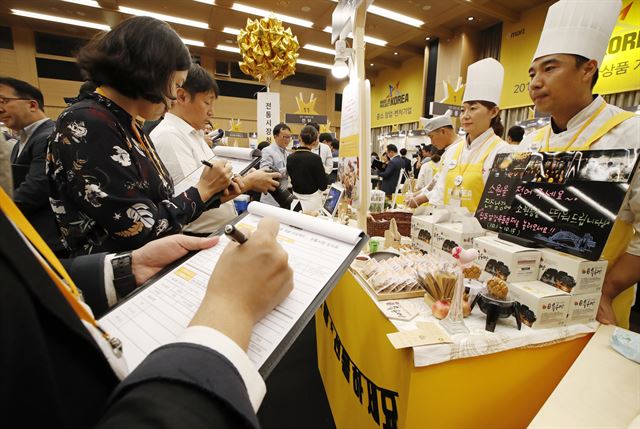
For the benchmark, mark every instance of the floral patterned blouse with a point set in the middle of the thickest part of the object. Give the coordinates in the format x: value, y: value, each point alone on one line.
x: 109, y: 191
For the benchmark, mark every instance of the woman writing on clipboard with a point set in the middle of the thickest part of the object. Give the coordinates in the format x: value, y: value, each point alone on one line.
x: 466, y: 165
x: 110, y: 190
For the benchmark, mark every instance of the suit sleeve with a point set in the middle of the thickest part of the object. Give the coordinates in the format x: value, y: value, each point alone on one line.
x: 88, y: 274
x: 181, y: 385
x: 389, y: 171
x: 267, y: 160
x: 33, y: 193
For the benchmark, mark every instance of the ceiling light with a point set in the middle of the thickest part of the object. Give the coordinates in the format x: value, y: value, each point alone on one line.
x: 471, y: 18
x: 60, y: 19
x: 371, y: 64
x: 206, y: 1
x: 367, y: 39
x: 389, y: 14
x: 340, y: 69
x: 395, y: 53
x: 228, y: 48
x: 192, y: 42
x: 90, y: 3
x: 231, y: 30
x: 265, y: 13
x: 427, y: 38
x: 162, y: 17
x: 314, y: 64
x: 317, y: 48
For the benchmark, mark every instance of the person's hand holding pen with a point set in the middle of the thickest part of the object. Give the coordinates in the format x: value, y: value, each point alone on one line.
x: 249, y: 280
x: 215, y: 178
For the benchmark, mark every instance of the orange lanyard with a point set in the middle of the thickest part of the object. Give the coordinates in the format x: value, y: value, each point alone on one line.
x: 151, y: 154
x: 54, y: 268
x: 577, y: 134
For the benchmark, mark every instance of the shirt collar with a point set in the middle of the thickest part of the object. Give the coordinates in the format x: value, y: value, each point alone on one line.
x: 480, y: 139
x: 179, y: 123
x: 581, y: 116
x: 27, y: 132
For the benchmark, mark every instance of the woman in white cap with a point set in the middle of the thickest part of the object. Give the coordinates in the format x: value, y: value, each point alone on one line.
x: 563, y: 73
x: 443, y: 136
x: 466, y: 165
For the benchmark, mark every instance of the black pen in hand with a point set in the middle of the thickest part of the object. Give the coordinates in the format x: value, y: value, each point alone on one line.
x: 235, y: 234
x: 207, y: 163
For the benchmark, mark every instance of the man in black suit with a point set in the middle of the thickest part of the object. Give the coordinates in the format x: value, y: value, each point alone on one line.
x: 59, y: 371
x: 394, y: 168
x: 22, y: 110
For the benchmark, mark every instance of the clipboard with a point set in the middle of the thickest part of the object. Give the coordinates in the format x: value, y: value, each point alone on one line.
x: 293, y: 331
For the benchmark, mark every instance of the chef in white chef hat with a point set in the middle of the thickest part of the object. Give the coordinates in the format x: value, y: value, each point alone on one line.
x: 563, y: 73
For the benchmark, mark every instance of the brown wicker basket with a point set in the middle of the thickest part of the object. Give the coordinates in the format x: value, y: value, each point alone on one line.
x: 378, y: 223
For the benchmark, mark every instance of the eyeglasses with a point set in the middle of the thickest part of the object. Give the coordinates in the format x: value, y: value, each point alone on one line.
x: 5, y: 100
x: 286, y: 137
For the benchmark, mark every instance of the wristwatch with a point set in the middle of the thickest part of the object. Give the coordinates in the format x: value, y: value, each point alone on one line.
x: 123, y: 280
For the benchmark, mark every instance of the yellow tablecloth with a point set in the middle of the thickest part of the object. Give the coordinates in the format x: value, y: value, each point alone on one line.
x: 369, y: 384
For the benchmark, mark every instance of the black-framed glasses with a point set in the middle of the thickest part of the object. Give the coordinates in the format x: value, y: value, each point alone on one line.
x: 5, y: 100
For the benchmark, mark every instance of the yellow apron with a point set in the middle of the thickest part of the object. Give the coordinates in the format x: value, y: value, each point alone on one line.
x: 622, y: 232
x: 465, y: 181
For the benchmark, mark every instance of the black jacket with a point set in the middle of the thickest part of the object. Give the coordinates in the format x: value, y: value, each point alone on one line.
x: 391, y: 174
x: 54, y: 374
x: 31, y: 193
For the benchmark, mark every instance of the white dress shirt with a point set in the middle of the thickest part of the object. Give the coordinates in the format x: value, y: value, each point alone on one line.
x: 624, y: 136
x: 471, y: 153
x: 181, y: 148
x: 274, y: 158
x: 26, y: 133
x: 324, y: 152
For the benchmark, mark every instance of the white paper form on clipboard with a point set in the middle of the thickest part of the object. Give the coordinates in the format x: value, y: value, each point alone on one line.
x: 319, y: 253
x: 242, y: 160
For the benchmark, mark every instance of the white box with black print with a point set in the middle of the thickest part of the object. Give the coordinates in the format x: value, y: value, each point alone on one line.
x: 541, y: 305
x: 422, y: 224
x: 509, y: 261
x: 422, y: 232
x: 447, y: 236
x: 583, y: 308
x: 570, y: 273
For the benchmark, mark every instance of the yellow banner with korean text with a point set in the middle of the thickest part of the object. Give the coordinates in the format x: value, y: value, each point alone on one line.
x: 396, y: 94
x: 619, y: 71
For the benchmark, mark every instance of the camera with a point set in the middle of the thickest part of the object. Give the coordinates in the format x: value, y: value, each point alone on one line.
x: 283, y: 197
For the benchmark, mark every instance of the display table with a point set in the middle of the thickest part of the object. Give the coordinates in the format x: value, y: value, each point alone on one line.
x: 369, y: 384
x: 602, y: 389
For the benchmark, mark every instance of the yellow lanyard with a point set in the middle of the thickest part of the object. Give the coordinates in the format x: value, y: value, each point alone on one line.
x: 578, y: 133
x: 458, y: 161
x: 53, y: 267
x: 151, y: 154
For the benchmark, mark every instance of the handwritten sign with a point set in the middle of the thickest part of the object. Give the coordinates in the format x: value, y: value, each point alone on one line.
x: 568, y: 201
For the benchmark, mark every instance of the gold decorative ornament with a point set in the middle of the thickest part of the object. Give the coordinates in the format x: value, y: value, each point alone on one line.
x: 269, y: 52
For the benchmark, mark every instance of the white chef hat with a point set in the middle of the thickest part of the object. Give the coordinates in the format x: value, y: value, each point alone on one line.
x: 484, y: 81
x: 436, y: 122
x: 579, y: 27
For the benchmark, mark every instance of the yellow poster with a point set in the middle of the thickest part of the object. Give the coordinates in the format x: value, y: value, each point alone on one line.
x: 396, y: 94
x: 620, y: 69
x: 619, y: 72
x: 519, y: 43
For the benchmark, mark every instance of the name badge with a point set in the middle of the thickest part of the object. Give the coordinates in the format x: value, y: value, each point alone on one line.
x: 452, y: 164
x: 458, y: 180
